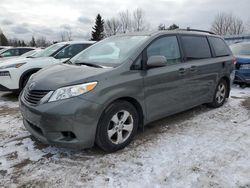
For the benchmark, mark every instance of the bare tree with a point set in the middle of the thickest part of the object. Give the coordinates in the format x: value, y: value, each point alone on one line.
x: 112, y: 26
x: 225, y: 23
x: 126, y: 21
x: 66, y: 34
x: 42, y: 42
x: 139, y: 20
x: 248, y: 26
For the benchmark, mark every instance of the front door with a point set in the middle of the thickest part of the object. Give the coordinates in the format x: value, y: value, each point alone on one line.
x: 166, y: 88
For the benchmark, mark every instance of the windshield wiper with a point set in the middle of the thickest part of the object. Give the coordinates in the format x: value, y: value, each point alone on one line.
x: 89, y: 64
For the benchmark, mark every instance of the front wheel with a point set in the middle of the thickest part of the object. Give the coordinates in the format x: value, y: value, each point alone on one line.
x: 220, y: 94
x: 117, y: 126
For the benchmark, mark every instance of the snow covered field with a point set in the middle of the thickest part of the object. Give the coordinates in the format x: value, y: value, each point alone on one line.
x: 202, y: 147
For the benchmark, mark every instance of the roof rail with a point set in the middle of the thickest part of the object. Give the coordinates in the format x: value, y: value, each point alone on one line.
x: 198, y: 30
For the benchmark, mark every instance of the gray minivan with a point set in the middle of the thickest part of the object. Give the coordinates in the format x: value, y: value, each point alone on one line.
x: 107, y: 92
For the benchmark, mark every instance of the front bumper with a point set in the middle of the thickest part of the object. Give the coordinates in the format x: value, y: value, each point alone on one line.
x: 68, y: 123
x: 11, y: 81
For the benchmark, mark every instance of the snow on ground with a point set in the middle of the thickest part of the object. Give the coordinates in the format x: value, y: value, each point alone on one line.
x: 202, y: 147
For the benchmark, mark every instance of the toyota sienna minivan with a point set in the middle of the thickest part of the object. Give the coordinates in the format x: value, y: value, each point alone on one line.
x: 110, y: 90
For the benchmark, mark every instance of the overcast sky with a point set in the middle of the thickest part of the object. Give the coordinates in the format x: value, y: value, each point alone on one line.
x: 24, y: 18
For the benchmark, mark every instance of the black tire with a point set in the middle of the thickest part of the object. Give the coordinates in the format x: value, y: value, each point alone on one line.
x: 24, y: 81
x: 219, y: 102
x: 106, y: 124
x: 243, y: 86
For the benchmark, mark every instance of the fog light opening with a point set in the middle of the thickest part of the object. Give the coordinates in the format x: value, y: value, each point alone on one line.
x: 68, y: 135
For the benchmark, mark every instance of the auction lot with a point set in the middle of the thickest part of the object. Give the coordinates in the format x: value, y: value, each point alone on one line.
x: 202, y: 147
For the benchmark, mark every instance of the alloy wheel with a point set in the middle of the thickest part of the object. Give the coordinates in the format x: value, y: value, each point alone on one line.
x: 221, y: 93
x: 120, y: 127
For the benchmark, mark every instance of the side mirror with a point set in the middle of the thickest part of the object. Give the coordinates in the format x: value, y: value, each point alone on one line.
x: 156, y: 61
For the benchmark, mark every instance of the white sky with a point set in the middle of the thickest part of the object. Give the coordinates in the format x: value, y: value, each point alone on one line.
x: 24, y: 18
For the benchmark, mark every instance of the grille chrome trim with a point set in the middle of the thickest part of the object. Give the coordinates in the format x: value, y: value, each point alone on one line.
x: 34, y: 97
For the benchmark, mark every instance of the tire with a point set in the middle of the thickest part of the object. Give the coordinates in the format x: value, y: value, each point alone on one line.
x: 24, y: 82
x: 117, y: 126
x: 243, y: 86
x: 220, y: 94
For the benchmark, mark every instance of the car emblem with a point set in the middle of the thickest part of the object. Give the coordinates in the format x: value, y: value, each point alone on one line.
x: 32, y: 85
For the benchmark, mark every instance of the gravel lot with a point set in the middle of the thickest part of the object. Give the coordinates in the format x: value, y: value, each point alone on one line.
x: 202, y: 147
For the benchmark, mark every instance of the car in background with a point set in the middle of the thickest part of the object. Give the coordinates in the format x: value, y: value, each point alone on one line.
x: 108, y: 91
x: 27, y: 54
x: 14, y: 73
x: 14, y: 51
x: 242, y: 68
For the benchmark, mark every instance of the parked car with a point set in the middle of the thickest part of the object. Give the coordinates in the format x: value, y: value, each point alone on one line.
x: 27, y: 54
x: 242, y: 72
x: 15, y: 73
x: 15, y: 51
x: 108, y: 91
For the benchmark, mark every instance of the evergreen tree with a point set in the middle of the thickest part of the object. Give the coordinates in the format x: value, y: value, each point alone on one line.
x: 33, y: 42
x: 98, y: 29
x: 19, y: 43
x: 23, y: 43
x: 3, y: 39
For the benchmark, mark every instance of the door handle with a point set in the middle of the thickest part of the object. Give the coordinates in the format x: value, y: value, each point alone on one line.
x: 182, y: 70
x: 193, y: 68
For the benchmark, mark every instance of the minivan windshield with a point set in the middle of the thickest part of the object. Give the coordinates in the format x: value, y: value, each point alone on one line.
x: 241, y: 49
x: 50, y: 50
x: 109, y: 52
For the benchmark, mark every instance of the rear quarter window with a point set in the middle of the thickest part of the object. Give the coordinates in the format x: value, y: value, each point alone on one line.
x: 196, y: 47
x: 220, y: 47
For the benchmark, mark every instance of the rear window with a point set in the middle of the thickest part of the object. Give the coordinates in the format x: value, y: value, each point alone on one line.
x: 219, y: 46
x: 196, y: 47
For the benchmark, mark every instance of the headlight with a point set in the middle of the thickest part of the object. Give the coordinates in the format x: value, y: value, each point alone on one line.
x: 12, y: 66
x: 72, y: 91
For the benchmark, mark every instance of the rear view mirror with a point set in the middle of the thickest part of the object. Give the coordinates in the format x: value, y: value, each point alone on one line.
x: 156, y: 61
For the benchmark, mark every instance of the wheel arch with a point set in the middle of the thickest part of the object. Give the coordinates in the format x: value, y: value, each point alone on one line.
x: 228, y: 84
x: 137, y: 106
x: 26, y: 73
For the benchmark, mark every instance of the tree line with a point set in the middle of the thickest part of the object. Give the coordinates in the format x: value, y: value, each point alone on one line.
x: 135, y: 21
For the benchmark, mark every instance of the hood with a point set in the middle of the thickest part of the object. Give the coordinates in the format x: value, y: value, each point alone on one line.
x: 62, y: 75
x: 243, y: 59
x: 11, y: 61
x: 14, y: 61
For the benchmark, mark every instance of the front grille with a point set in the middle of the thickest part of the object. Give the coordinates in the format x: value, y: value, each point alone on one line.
x: 34, y: 96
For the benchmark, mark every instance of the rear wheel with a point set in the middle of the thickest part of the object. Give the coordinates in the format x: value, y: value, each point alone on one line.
x: 117, y: 126
x: 220, y: 94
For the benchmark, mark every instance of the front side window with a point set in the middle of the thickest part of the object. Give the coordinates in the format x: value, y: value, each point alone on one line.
x: 111, y: 51
x: 196, y: 47
x: 219, y: 46
x: 24, y: 50
x: 165, y: 46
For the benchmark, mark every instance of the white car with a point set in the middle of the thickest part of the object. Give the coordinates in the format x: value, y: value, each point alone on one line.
x: 15, y: 73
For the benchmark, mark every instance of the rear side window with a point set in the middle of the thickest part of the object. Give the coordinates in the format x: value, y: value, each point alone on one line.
x: 196, y: 47
x: 219, y: 46
x: 165, y: 46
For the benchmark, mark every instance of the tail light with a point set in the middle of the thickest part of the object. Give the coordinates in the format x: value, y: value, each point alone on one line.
x: 234, y: 61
